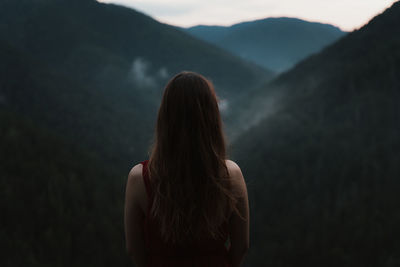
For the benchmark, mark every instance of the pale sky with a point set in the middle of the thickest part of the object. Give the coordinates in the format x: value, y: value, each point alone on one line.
x: 346, y: 14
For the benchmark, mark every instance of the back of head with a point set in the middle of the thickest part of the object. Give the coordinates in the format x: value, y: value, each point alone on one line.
x: 187, y: 164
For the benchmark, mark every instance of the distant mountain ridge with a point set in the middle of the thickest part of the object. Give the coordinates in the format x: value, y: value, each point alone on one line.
x: 274, y: 43
x: 322, y: 169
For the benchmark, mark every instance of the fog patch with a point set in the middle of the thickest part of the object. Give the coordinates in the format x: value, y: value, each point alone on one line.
x: 163, y: 73
x: 143, y: 75
x: 266, y: 108
x: 223, y: 105
x: 260, y: 109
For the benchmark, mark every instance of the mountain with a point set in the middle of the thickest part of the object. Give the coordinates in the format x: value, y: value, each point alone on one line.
x: 56, y: 201
x: 57, y: 198
x: 274, y: 43
x: 95, y: 72
x: 322, y: 168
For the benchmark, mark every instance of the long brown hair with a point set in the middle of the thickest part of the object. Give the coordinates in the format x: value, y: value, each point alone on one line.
x: 192, y: 195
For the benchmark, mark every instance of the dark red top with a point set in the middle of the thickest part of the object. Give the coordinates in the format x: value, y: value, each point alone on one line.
x: 208, y: 252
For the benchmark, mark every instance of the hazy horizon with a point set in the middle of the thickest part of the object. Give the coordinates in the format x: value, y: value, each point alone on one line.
x: 347, y: 15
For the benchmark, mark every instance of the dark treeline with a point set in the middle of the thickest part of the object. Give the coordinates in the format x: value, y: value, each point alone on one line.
x: 59, y: 207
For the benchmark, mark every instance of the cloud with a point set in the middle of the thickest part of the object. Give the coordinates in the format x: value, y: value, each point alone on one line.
x: 161, y: 8
x: 163, y: 73
x: 223, y: 105
x: 142, y: 75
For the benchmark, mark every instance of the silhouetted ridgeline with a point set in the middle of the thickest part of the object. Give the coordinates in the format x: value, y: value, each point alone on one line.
x: 324, y: 169
x: 274, y: 43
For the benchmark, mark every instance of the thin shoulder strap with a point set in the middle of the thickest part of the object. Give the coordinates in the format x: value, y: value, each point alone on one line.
x: 145, y: 174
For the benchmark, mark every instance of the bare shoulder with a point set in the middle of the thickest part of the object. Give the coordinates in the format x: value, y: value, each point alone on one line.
x: 236, y: 176
x: 135, y: 173
x: 135, y: 178
x: 135, y: 187
x: 234, y: 170
x: 232, y: 166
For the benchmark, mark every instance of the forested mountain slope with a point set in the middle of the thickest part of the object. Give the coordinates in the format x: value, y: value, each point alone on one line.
x: 57, y: 199
x: 274, y: 43
x: 322, y: 170
x: 59, y: 207
x: 95, y: 71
